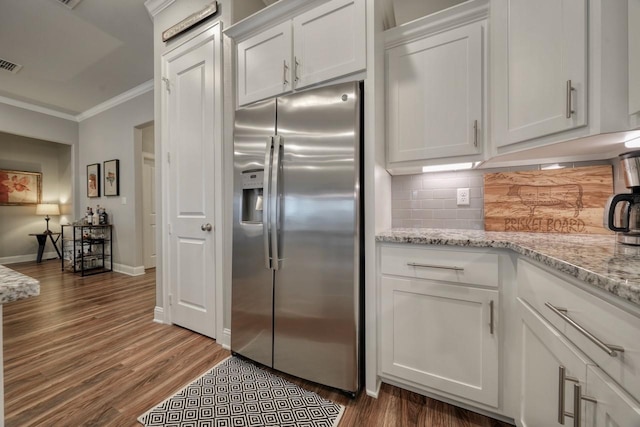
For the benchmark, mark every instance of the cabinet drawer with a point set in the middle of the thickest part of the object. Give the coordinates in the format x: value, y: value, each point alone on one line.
x: 604, y: 321
x: 471, y: 267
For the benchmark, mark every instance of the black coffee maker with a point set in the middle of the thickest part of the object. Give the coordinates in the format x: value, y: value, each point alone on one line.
x: 622, y: 212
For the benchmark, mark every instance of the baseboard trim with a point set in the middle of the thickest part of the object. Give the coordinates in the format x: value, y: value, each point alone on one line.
x: 225, y: 342
x: 26, y: 258
x: 375, y: 393
x: 158, y: 314
x: 128, y: 269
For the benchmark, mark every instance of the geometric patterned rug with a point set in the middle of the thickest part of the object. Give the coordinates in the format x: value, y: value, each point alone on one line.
x: 236, y: 393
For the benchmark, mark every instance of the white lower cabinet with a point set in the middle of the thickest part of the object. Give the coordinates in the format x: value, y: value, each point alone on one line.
x: 441, y: 333
x: 441, y: 337
x: 612, y: 406
x: 547, y: 358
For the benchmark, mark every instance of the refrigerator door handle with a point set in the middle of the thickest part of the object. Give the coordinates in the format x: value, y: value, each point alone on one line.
x: 266, y: 196
x: 274, y: 215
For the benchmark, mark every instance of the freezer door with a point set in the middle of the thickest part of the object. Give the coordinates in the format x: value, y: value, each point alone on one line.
x: 316, y: 286
x: 252, y: 279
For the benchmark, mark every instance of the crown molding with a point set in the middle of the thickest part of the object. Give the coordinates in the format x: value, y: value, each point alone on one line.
x: 37, y: 109
x: 116, y: 100
x: 154, y: 7
x: 273, y: 14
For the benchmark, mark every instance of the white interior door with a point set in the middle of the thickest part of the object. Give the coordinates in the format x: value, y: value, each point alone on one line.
x: 149, y: 209
x: 193, y: 160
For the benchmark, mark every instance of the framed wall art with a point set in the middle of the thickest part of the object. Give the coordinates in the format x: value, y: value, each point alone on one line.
x: 112, y: 178
x: 93, y: 180
x: 20, y: 188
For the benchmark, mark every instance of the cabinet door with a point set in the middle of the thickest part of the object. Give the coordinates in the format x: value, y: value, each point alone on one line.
x: 434, y: 95
x: 613, y: 407
x: 439, y: 336
x: 540, y: 46
x: 544, y: 351
x: 264, y: 64
x: 329, y: 42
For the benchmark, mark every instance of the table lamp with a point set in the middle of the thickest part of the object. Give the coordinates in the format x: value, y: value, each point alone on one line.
x: 47, y: 209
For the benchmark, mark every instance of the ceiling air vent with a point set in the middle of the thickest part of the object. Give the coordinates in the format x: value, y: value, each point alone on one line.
x: 69, y: 3
x: 9, y: 66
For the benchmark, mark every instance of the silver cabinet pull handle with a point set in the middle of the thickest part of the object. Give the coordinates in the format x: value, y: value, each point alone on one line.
x: 443, y: 267
x: 284, y: 73
x: 275, y: 197
x: 475, y: 133
x: 266, y: 196
x: 577, y: 404
x: 206, y: 227
x: 562, y: 377
x: 570, y: 90
x: 296, y: 65
x: 491, y: 317
x: 611, y: 350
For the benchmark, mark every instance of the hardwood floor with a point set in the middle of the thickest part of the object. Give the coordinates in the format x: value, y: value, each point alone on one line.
x: 87, y: 353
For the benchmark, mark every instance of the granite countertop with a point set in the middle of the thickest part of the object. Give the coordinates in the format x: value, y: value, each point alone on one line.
x: 594, y: 259
x: 15, y: 286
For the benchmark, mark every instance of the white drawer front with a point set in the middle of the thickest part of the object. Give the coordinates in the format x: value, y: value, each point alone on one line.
x: 436, y: 263
x: 604, y: 321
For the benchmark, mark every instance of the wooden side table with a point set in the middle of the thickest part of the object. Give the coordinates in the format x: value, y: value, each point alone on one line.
x: 42, y: 240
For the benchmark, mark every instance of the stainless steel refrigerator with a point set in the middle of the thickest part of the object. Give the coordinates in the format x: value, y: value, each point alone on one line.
x: 296, y: 290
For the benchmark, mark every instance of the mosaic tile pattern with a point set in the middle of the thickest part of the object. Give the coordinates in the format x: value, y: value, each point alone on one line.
x: 237, y: 393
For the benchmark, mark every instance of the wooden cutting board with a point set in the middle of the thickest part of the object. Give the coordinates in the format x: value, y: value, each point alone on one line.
x: 548, y: 201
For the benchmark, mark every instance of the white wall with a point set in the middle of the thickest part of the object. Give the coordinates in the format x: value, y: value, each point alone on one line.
x: 19, y: 121
x: 112, y: 135
x: 53, y: 160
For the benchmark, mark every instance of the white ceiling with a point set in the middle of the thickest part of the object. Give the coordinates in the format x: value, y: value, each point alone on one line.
x: 74, y: 59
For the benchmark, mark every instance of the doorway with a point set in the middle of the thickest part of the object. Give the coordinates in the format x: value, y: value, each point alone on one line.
x: 148, y: 196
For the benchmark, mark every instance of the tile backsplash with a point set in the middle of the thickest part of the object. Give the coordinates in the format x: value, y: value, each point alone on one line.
x: 429, y: 200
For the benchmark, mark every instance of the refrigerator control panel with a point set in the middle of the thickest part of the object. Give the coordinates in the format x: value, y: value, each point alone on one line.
x: 252, y: 179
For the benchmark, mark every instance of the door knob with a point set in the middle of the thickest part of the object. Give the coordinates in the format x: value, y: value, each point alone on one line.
x: 206, y: 227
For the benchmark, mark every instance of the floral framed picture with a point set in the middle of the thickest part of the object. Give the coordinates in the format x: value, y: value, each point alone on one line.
x: 20, y: 188
x: 112, y: 178
x: 93, y: 180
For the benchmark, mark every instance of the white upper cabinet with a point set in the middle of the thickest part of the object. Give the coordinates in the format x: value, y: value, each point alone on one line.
x: 264, y: 64
x: 329, y: 41
x: 559, y: 71
x: 321, y: 44
x: 435, y: 86
x: 542, y: 69
x: 434, y: 90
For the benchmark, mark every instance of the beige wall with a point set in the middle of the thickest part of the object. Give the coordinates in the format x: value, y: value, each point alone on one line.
x: 110, y: 135
x: 53, y: 160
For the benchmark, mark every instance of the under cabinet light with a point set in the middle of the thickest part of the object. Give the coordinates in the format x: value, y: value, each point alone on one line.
x: 633, y: 143
x: 449, y: 167
x: 552, y: 167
